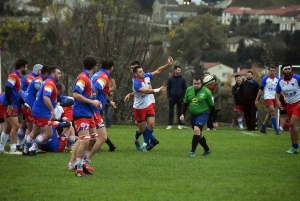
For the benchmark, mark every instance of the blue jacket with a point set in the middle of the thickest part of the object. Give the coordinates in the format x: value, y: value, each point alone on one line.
x: 176, y: 87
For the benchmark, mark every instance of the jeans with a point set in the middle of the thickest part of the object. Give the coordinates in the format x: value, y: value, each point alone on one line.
x: 108, y: 112
x: 172, y: 103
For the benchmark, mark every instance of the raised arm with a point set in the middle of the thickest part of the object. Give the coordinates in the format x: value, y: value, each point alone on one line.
x: 164, y: 67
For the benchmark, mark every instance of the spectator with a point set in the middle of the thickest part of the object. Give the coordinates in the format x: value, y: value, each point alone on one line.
x: 214, y: 85
x: 175, y: 92
x: 247, y: 93
x: 108, y: 109
x: 238, y: 104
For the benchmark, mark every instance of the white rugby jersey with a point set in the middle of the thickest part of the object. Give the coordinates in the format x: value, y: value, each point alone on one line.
x: 141, y: 100
x: 152, y: 98
x: 290, y: 88
x: 269, y: 85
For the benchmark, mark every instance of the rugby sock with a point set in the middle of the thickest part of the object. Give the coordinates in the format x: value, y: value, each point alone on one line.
x: 137, y: 135
x: 240, y: 123
x: 86, y: 153
x: 13, y: 147
x: 295, y: 146
x: 79, y: 162
x: 152, y: 137
x: 28, y: 143
x: 108, y: 142
x: 202, y: 142
x: 263, y: 126
x: 71, y: 164
x: 4, y: 138
x: 21, y: 134
x: 147, y: 135
x: 274, y: 123
x: 72, y: 141
x: 40, y: 139
x: 195, y: 142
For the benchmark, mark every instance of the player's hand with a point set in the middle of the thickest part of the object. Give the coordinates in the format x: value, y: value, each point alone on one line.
x: 163, y: 89
x: 127, y: 98
x: 27, y: 106
x: 53, y: 115
x: 181, y: 117
x: 170, y: 60
x: 278, y: 103
x: 97, y: 104
x: 215, y: 124
x: 113, y: 104
x: 256, y: 102
x: 9, y: 109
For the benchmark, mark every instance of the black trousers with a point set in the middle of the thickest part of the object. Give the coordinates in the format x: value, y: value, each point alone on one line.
x: 172, y: 103
x: 250, y: 111
x: 210, y: 122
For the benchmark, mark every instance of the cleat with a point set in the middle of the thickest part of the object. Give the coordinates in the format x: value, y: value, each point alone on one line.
x: 88, y: 169
x: 240, y: 129
x: 32, y: 153
x: 144, y: 149
x: 16, y: 152
x: 292, y: 151
x: 277, y: 132
x: 152, y: 144
x: 179, y: 127
x: 80, y: 173
x: 112, y: 148
x: 20, y: 148
x: 192, y: 154
x: 205, y: 153
x: 263, y: 130
x: 137, y: 144
x: 25, y: 154
x: 169, y: 127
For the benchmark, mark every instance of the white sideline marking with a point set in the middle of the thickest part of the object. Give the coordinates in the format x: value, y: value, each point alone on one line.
x: 252, y: 134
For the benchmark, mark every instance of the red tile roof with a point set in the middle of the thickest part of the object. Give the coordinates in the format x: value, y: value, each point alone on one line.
x: 207, y: 65
x: 241, y: 72
x: 272, y: 11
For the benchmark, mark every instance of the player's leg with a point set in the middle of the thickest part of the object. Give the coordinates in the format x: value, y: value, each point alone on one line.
x: 149, y: 131
x: 295, y: 114
x: 21, y: 134
x: 14, y: 122
x: 4, y: 135
x: 36, y: 130
x: 271, y: 109
x: 199, y: 121
x: 82, y: 126
x: 46, y: 134
x: 140, y: 117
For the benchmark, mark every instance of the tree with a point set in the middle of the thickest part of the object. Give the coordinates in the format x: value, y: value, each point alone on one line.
x: 233, y: 23
x: 107, y: 29
x: 198, y: 34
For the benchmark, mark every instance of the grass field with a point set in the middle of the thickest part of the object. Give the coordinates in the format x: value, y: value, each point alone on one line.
x: 242, y: 166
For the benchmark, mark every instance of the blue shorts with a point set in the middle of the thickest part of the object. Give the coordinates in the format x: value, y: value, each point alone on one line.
x: 200, y: 119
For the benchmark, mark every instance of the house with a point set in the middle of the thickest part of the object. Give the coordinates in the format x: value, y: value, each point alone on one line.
x: 170, y: 11
x: 220, y: 70
x: 288, y: 17
x: 233, y: 42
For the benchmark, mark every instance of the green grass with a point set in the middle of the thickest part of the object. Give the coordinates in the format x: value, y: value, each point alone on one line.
x: 241, y: 167
x: 259, y: 4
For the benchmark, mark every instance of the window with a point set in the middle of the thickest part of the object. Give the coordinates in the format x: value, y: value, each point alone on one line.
x: 225, y: 75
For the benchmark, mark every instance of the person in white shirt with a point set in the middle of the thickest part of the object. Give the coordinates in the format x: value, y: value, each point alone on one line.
x: 289, y: 84
x: 267, y: 87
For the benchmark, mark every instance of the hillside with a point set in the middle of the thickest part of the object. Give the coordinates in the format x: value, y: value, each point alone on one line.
x: 255, y: 4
